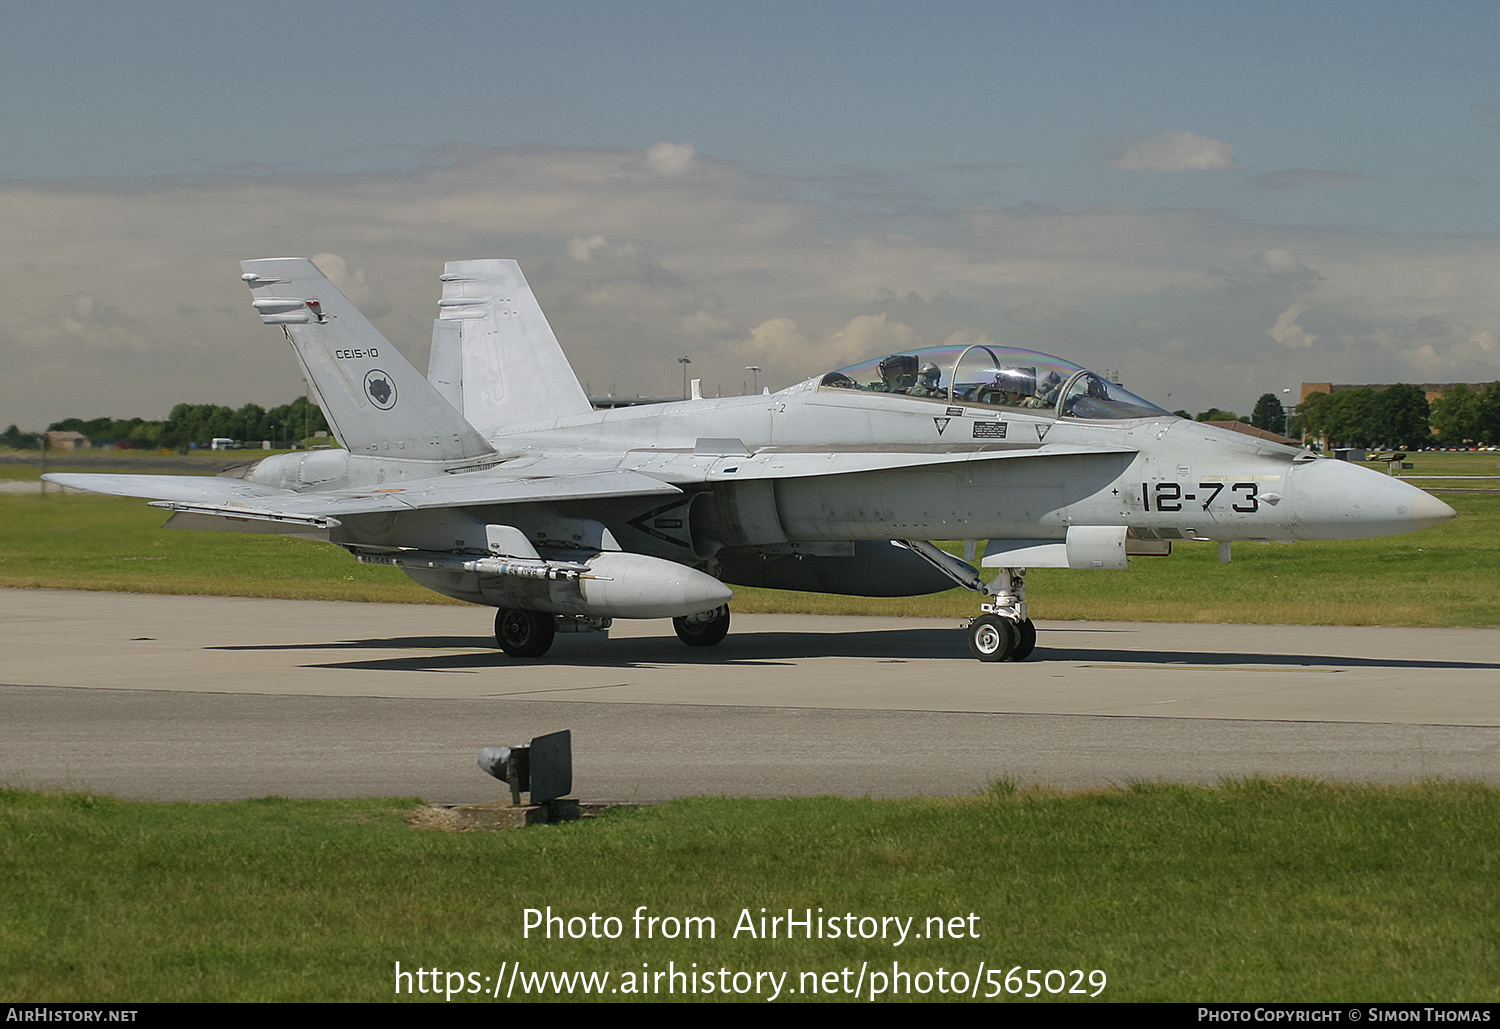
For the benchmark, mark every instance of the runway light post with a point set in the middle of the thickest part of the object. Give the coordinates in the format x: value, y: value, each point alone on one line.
x: 684, y: 362
x: 754, y: 370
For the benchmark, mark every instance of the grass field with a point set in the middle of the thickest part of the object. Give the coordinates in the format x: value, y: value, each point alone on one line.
x: 1254, y: 890
x: 1442, y: 576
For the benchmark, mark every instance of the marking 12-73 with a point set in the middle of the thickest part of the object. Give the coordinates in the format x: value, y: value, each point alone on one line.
x: 1169, y: 496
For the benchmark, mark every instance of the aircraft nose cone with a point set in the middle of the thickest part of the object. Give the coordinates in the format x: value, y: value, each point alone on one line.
x: 1337, y: 500
x: 1427, y: 511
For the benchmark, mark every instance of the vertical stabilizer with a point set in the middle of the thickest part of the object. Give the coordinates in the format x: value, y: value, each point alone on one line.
x: 494, y: 353
x: 376, y: 402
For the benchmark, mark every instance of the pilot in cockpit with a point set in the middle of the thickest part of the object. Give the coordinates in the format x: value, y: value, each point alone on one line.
x: 1019, y: 387
x: 898, y: 374
x: 1046, y: 390
x: 927, y: 382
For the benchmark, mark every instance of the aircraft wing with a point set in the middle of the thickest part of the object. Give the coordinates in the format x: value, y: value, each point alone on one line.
x: 235, y: 498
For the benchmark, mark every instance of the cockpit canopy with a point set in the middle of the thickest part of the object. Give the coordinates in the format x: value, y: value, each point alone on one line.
x: 990, y: 376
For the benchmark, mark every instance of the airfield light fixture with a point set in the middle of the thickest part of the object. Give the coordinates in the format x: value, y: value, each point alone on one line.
x: 542, y: 768
x: 684, y: 362
x: 754, y: 370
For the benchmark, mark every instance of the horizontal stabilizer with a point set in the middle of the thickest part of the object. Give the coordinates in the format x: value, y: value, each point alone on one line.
x: 188, y: 489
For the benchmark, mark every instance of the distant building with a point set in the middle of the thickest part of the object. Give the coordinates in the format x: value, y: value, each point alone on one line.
x: 66, y: 439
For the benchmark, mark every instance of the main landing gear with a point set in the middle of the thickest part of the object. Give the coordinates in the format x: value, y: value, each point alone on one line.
x: 706, y: 629
x: 530, y: 633
x: 524, y: 633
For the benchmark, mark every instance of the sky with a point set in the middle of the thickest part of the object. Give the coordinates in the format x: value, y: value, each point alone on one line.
x: 1214, y: 201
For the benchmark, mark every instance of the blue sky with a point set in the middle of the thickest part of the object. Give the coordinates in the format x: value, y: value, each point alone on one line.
x: 1215, y: 199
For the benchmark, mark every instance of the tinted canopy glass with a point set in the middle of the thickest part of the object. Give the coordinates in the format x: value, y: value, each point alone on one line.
x: 992, y: 376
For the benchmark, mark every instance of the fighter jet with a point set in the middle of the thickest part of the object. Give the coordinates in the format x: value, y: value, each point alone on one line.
x: 494, y: 480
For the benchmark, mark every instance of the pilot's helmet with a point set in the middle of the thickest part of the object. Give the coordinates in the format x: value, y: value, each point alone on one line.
x: 898, y: 366
x: 1098, y: 388
x: 1047, y: 388
x: 929, y: 375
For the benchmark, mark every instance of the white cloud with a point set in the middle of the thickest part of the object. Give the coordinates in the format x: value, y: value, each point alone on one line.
x: 670, y: 159
x: 869, y: 335
x: 1287, y: 332
x: 580, y: 249
x: 776, y: 338
x: 354, y: 283
x: 1167, y: 151
x: 1278, y: 261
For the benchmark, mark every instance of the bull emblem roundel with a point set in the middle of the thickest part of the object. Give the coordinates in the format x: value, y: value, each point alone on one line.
x: 381, y: 389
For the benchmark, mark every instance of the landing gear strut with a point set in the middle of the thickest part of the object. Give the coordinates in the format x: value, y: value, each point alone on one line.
x: 523, y: 633
x: 1002, y: 632
x: 707, y: 629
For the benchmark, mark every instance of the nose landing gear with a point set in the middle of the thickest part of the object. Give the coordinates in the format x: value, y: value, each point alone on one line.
x: 995, y: 638
x: 1002, y: 632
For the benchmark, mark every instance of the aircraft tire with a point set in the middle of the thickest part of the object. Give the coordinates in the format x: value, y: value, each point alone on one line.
x: 992, y: 638
x: 703, y: 634
x: 1025, y: 641
x: 523, y: 633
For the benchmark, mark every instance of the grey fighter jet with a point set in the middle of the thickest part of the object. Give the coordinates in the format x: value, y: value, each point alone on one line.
x: 494, y: 480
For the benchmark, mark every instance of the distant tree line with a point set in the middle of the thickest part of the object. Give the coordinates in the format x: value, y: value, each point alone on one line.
x: 14, y: 438
x: 1463, y: 416
x: 1213, y: 414
x: 1399, y: 416
x: 1268, y: 415
x: 193, y: 423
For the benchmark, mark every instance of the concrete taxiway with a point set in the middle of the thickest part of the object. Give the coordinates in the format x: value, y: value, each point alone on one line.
x: 216, y: 698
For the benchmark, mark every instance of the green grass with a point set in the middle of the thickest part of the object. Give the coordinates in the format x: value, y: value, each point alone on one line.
x: 86, y: 542
x: 1448, y: 575
x: 1254, y: 890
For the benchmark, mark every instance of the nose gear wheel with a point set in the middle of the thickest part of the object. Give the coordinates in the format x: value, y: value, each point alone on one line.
x: 992, y: 638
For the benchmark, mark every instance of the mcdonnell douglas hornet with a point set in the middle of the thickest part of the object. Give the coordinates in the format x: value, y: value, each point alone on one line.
x: 494, y: 480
